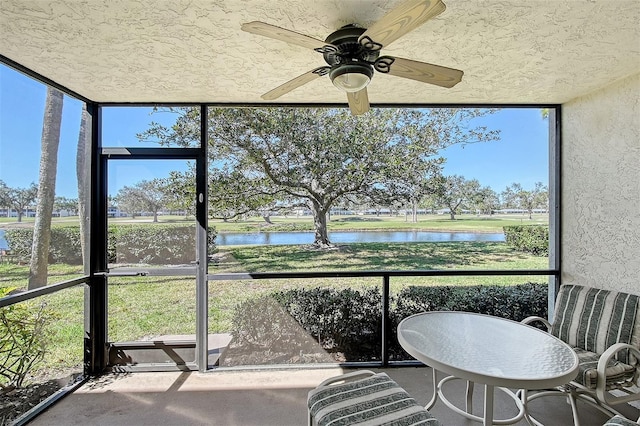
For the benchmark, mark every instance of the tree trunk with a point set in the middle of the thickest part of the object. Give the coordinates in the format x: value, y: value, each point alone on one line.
x: 452, y: 214
x: 38, y: 268
x: 414, y: 211
x: 321, y: 238
x: 266, y: 216
x: 83, y: 174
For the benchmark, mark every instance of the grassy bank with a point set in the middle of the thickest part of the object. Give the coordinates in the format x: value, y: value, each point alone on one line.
x: 435, y: 222
x: 431, y: 222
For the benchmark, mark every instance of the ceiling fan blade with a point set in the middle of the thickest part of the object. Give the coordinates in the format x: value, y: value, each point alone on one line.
x: 358, y: 101
x: 268, y: 30
x: 295, y: 83
x: 424, y: 72
x: 404, y: 18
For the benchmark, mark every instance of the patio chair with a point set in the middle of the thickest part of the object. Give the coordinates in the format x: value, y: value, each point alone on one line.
x: 603, y: 327
x: 620, y: 421
x: 365, y: 398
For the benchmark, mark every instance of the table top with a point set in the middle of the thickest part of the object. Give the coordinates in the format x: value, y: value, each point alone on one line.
x: 487, y: 349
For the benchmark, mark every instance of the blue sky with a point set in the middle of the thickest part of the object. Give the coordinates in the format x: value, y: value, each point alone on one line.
x: 520, y: 156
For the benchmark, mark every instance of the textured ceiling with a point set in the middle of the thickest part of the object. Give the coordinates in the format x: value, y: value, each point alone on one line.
x: 511, y: 51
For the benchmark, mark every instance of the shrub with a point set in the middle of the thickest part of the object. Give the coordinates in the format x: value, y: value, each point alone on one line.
x: 512, y: 302
x: 262, y: 323
x: 152, y: 244
x: 64, y: 246
x: 155, y: 244
x: 20, y: 242
x: 532, y: 239
x: 23, y: 339
x: 349, y: 322
x: 346, y: 321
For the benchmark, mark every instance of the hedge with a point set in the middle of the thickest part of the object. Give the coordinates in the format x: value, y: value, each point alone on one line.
x: 348, y: 323
x: 156, y: 244
x: 64, y: 246
x: 151, y: 244
x: 339, y: 320
x: 532, y: 239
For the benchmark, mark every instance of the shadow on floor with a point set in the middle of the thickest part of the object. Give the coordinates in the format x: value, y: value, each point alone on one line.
x: 273, y: 397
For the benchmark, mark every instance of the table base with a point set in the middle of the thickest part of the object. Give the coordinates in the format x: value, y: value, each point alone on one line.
x: 519, y: 398
x: 572, y: 394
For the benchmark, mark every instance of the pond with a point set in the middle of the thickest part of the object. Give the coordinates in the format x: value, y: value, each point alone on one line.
x: 277, y: 238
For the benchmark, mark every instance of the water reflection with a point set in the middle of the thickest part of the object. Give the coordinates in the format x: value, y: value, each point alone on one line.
x: 278, y: 238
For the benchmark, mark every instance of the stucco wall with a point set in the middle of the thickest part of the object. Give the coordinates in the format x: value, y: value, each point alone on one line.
x: 601, y: 188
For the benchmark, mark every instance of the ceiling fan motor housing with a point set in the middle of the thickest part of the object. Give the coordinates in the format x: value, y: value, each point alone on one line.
x: 348, y: 50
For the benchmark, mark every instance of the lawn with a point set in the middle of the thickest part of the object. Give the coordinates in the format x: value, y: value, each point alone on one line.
x: 380, y: 256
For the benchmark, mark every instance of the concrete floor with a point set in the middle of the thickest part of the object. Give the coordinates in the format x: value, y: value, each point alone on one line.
x: 267, y: 397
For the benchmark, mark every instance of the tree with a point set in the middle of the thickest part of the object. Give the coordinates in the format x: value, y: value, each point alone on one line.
x: 486, y: 200
x: 421, y: 189
x: 145, y: 196
x: 19, y: 199
x: 83, y: 176
x: 320, y: 156
x: 4, y: 196
x: 515, y: 196
x: 180, y: 190
x: 69, y: 205
x: 457, y: 193
x: 46, y: 188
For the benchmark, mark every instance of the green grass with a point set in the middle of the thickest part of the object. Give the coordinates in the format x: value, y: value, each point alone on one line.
x: 466, y: 222
x: 14, y: 275
x: 369, y: 223
x: 385, y: 256
x: 148, y: 307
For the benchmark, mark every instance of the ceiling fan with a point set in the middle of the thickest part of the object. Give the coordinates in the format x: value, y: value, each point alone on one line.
x: 353, y: 53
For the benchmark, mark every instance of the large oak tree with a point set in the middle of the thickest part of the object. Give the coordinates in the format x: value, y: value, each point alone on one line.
x: 319, y: 156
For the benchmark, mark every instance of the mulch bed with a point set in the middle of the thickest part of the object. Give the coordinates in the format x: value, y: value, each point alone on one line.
x: 15, y: 402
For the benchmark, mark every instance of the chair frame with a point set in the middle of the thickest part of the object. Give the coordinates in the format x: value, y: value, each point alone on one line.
x: 599, y: 398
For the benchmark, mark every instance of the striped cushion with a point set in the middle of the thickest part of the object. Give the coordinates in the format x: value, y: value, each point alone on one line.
x: 618, y: 420
x: 594, y: 319
x: 618, y: 373
x: 376, y: 400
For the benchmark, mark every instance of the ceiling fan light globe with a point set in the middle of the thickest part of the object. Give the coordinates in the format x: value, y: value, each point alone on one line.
x: 351, y: 78
x: 351, y: 82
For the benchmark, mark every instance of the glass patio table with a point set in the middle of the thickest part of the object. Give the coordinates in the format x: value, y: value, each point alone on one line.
x: 488, y: 350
